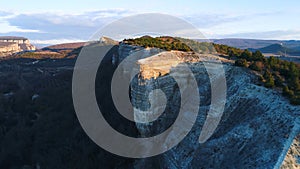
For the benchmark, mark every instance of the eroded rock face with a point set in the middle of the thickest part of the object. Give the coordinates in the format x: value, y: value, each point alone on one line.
x: 9, y: 47
x: 161, y: 63
x: 256, y: 126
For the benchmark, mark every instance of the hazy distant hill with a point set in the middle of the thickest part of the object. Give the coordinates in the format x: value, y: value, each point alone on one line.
x: 66, y: 46
x: 246, y: 43
x: 291, y: 47
x: 274, y: 48
x: 254, y: 43
x: 296, y: 48
x: 279, y: 49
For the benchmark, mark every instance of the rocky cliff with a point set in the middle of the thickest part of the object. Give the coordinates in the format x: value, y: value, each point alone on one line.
x: 256, y: 130
x: 10, y: 45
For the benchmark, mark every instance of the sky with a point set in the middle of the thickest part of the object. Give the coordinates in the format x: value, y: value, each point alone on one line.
x: 60, y: 21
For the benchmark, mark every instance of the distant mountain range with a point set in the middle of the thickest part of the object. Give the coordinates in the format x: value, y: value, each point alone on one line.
x: 279, y: 50
x: 274, y: 48
x: 254, y: 43
x: 278, y: 47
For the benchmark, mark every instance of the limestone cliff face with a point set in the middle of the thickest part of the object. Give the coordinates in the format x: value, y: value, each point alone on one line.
x: 161, y: 63
x: 10, y: 45
x: 256, y: 130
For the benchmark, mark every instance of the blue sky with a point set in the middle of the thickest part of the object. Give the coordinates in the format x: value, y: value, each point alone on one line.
x: 58, y: 21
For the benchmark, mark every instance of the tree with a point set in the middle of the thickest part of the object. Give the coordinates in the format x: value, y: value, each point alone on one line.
x: 295, y: 100
x: 231, y: 54
x: 272, y: 61
x: 279, y: 80
x: 246, y: 54
x: 257, y: 56
x: 257, y: 65
x: 269, y: 79
x: 287, y: 92
x: 241, y: 63
x: 294, y: 84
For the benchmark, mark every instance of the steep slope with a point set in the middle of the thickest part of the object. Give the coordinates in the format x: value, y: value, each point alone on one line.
x: 257, y: 126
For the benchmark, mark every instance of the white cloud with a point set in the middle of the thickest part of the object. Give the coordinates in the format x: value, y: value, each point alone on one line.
x: 55, y: 41
x: 272, y: 35
x: 6, y: 28
x: 58, y: 25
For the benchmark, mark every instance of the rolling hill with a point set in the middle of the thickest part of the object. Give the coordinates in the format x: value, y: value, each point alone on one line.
x: 279, y: 49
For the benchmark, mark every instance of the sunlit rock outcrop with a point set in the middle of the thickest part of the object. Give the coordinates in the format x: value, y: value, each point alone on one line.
x: 11, y: 44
